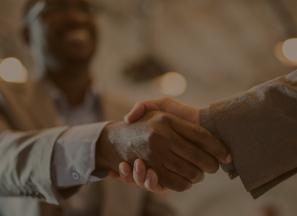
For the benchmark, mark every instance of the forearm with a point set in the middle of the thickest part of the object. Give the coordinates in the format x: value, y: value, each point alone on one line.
x: 25, y: 163
x: 50, y: 163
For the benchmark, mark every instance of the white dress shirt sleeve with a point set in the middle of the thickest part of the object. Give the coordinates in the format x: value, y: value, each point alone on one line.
x: 73, y: 158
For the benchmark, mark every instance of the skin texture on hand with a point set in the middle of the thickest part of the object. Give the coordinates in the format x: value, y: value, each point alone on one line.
x: 148, y: 180
x: 180, y: 152
x: 144, y: 178
x: 167, y: 105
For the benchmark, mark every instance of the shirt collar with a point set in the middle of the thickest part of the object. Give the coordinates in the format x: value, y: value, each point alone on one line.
x: 91, y: 96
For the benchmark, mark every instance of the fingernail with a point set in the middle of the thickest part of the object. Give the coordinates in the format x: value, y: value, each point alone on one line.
x: 229, y: 158
x: 126, y: 117
x: 138, y: 167
x: 149, y: 175
x: 123, y: 171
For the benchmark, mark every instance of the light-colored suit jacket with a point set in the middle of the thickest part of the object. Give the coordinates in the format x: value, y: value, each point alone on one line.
x: 28, y: 132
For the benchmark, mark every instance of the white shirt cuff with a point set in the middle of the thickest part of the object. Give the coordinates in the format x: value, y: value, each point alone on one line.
x: 73, y: 158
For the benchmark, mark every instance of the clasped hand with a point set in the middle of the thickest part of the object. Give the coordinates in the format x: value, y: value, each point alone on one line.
x: 165, y: 137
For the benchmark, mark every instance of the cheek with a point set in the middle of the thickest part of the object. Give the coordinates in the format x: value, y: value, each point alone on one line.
x: 43, y: 35
x: 53, y: 36
x: 53, y: 29
x: 96, y: 31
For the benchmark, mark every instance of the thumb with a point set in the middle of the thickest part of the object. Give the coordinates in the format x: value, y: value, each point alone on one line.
x: 168, y: 105
x: 136, y: 113
x: 114, y: 175
x: 141, y: 108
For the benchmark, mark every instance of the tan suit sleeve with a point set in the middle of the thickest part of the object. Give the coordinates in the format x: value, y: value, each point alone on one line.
x: 260, y: 128
x: 25, y: 159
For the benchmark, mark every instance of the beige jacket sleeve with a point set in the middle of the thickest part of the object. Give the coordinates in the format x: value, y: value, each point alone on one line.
x: 25, y: 159
x: 260, y: 128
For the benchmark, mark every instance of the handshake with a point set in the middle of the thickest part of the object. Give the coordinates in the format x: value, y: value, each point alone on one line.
x: 164, y: 136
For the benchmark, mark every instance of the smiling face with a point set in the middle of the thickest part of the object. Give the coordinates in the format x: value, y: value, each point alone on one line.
x: 64, y: 31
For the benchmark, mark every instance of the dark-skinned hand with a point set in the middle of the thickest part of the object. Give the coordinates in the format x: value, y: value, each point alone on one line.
x: 179, y: 151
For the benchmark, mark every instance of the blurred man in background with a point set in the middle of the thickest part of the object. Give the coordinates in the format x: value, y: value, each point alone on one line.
x: 63, y: 35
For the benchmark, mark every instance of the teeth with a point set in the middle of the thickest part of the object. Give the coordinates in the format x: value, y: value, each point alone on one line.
x: 78, y: 35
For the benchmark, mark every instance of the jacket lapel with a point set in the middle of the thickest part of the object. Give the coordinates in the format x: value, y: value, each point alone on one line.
x: 29, y: 105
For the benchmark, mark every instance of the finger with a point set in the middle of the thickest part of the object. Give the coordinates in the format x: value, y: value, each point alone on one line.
x: 139, y: 109
x: 114, y: 175
x: 184, y: 169
x: 195, y: 155
x: 198, y: 181
x: 147, y: 179
x: 126, y: 174
x: 139, y: 173
x: 202, y: 138
x: 168, y: 105
x: 152, y: 184
x: 174, y: 181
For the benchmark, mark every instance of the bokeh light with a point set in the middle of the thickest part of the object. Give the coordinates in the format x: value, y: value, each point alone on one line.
x: 24, y: 77
x: 172, y: 84
x: 278, y: 51
x: 12, y: 70
x: 289, y: 49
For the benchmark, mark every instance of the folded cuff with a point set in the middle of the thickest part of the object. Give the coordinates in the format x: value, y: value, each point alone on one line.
x: 208, y: 123
x: 74, y: 155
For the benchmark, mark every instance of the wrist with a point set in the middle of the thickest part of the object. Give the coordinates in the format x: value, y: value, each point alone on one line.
x: 107, y: 155
x: 102, y: 151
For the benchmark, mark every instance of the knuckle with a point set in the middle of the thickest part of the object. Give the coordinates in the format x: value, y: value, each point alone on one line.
x: 198, y: 157
x: 203, y: 134
x: 179, y: 167
x: 179, y: 143
x: 152, y: 137
x: 160, y: 117
x: 198, y: 129
x: 166, y: 100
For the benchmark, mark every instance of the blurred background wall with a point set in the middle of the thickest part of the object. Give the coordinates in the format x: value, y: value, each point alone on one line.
x: 217, y: 49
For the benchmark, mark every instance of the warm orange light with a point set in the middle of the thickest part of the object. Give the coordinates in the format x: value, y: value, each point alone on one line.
x: 172, y: 84
x: 290, y: 49
x: 12, y: 70
x: 278, y: 52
